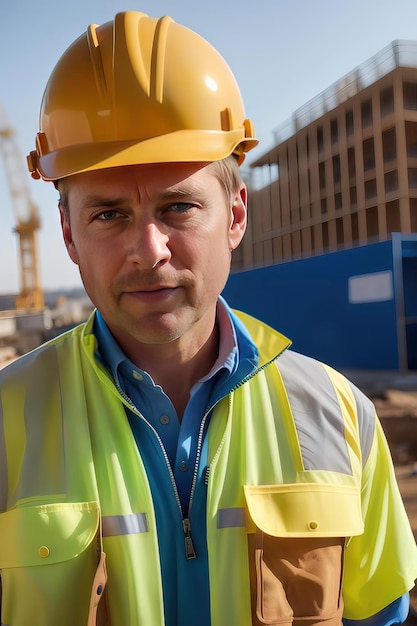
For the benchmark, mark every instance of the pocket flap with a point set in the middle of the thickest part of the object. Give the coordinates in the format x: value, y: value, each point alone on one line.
x: 305, y: 510
x: 46, y: 534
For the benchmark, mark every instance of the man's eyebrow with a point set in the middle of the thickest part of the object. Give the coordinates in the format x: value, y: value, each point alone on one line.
x: 179, y: 192
x: 95, y: 200
x: 92, y: 201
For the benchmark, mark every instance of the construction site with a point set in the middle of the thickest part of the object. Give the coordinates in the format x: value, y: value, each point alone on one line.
x: 299, y: 248
x: 30, y: 316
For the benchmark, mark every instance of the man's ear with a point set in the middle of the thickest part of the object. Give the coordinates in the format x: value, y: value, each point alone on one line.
x: 238, y: 218
x: 67, y: 235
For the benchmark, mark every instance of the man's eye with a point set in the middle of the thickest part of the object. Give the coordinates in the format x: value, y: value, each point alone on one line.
x: 106, y: 216
x: 181, y: 207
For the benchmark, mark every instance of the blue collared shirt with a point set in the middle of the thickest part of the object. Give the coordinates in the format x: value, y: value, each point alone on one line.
x: 167, y: 444
x: 178, y: 438
x: 168, y: 449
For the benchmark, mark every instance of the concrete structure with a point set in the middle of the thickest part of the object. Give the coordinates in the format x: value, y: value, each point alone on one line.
x: 343, y: 171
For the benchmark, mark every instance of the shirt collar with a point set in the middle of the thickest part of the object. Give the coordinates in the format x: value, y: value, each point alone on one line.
x: 234, y: 345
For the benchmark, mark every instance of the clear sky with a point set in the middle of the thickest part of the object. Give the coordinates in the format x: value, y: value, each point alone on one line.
x: 283, y: 53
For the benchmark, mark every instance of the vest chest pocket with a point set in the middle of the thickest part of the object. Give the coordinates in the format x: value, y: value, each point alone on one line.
x: 296, y: 546
x: 48, y: 559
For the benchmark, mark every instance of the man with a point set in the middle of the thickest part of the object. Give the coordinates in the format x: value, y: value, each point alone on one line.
x: 172, y: 462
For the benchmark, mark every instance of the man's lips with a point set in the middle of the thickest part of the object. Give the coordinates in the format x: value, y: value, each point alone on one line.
x: 149, y: 288
x: 152, y: 293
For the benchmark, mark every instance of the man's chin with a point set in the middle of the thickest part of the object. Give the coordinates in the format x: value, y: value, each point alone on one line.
x: 159, y: 328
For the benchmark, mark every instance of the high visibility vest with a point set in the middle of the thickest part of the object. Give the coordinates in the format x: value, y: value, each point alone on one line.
x: 287, y: 449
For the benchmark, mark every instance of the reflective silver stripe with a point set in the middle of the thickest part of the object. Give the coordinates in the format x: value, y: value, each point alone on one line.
x: 366, y: 419
x: 317, y: 413
x: 231, y: 518
x: 114, y: 525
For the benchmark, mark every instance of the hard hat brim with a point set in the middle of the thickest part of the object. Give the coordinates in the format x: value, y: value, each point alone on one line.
x: 180, y: 146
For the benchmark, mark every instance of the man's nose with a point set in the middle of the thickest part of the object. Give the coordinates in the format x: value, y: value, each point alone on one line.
x: 149, y: 246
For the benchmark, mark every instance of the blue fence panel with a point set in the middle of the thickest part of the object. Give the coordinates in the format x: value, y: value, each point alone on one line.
x: 308, y: 300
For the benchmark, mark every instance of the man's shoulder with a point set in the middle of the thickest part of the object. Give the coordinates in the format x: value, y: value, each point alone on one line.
x: 41, y: 357
x: 313, y: 375
x: 297, y: 363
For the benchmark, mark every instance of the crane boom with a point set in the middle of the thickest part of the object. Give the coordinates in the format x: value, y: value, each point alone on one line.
x: 27, y: 222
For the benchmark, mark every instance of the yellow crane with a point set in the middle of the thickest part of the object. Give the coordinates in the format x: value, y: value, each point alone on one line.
x: 31, y: 296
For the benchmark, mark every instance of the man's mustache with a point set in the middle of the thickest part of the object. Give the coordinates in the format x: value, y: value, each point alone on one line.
x: 148, y: 281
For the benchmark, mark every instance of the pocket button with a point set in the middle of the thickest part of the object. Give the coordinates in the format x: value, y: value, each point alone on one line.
x: 43, y: 552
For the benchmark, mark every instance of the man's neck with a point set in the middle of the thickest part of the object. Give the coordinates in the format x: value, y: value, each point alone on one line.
x: 178, y: 377
x: 177, y: 365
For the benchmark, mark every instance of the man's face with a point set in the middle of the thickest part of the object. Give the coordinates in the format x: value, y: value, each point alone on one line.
x: 153, y: 244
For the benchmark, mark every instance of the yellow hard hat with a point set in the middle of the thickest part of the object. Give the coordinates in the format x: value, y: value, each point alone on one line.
x: 138, y: 90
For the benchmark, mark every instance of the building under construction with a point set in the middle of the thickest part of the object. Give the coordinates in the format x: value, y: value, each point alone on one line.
x: 330, y: 255
x: 343, y: 171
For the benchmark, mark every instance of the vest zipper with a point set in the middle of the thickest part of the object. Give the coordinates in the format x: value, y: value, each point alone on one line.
x: 189, y: 546
x: 190, y: 552
x: 239, y: 384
